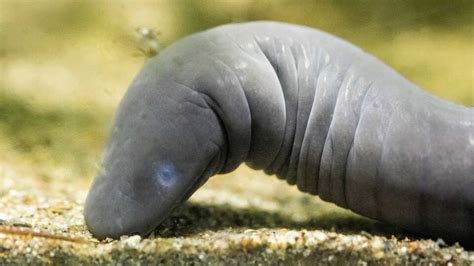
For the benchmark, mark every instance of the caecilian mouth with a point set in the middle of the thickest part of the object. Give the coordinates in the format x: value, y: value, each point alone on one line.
x: 208, y: 171
x: 197, y: 184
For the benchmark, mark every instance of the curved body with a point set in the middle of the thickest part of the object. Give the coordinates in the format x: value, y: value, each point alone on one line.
x: 296, y: 102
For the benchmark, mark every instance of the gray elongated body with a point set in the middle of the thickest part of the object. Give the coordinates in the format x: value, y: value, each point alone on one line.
x: 296, y: 102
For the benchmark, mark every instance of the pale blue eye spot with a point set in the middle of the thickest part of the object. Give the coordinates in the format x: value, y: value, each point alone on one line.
x: 165, y: 174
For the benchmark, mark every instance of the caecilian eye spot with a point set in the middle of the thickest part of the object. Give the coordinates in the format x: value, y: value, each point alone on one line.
x: 165, y: 174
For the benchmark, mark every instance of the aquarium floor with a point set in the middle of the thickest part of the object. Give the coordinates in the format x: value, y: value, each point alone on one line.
x: 227, y: 222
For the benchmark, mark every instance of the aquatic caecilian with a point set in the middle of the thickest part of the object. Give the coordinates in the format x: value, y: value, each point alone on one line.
x: 296, y: 102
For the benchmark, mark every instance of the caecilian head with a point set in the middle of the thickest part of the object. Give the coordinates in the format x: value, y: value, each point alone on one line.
x: 164, y: 143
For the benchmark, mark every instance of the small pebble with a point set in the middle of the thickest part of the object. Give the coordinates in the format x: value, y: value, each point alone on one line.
x: 378, y: 244
x: 202, y: 256
x: 447, y: 257
x: 132, y: 242
x: 403, y: 250
x: 441, y: 242
x: 320, y: 236
x: 4, y: 217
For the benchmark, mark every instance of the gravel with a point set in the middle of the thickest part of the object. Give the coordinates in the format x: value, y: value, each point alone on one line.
x: 42, y: 223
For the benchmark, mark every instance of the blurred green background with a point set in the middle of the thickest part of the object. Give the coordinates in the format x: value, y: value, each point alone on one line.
x: 65, y: 64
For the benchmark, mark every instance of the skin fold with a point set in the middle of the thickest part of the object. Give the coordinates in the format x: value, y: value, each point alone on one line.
x: 296, y: 102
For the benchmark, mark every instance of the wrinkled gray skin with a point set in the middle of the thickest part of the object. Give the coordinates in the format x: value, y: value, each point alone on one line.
x: 296, y: 102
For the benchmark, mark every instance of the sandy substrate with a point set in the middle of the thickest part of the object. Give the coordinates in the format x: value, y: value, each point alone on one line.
x: 227, y: 221
x: 64, y: 65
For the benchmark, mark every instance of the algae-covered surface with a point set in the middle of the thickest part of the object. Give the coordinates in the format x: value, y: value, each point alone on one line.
x: 64, y: 67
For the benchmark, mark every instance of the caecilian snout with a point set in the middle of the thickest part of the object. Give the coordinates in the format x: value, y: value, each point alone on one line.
x: 111, y: 212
